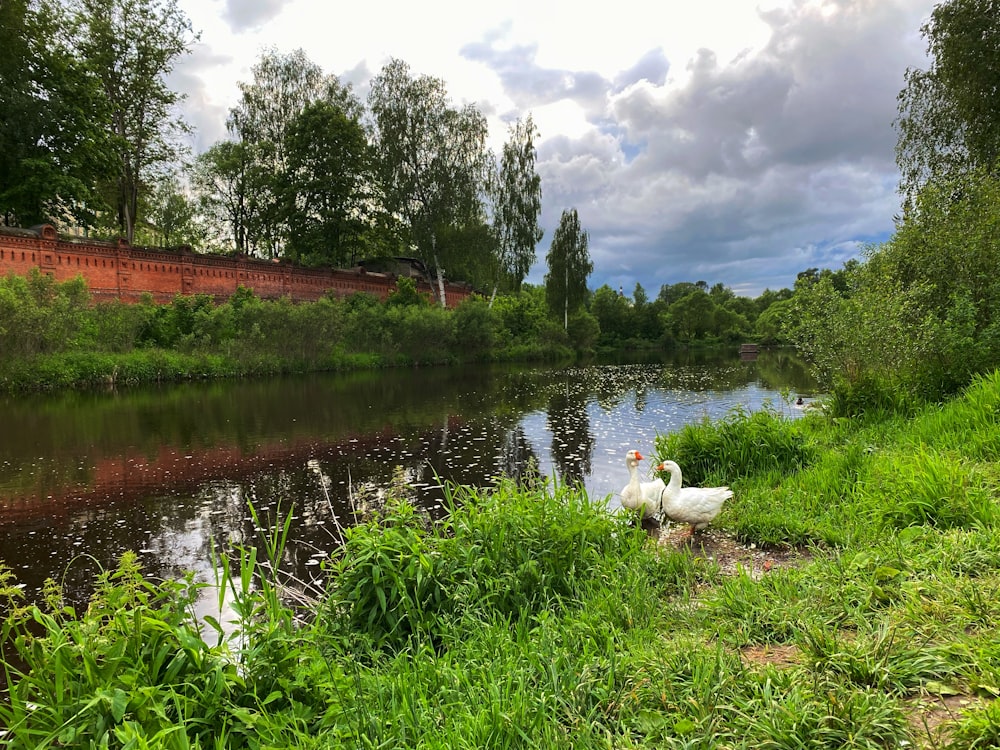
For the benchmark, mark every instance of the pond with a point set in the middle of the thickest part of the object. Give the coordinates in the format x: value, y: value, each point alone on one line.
x: 170, y: 472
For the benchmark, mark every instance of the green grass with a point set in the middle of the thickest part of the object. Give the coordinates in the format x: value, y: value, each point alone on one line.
x: 533, y: 618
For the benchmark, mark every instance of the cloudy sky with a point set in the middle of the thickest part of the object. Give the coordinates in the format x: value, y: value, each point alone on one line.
x: 733, y: 141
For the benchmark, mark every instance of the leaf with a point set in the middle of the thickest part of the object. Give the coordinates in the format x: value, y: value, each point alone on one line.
x: 941, y: 688
x: 119, y: 704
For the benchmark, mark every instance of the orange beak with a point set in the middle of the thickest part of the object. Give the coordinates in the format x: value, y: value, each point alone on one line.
x: 638, y: 455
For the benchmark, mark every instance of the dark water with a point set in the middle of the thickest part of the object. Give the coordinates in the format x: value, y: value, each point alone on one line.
x: 168, y: 472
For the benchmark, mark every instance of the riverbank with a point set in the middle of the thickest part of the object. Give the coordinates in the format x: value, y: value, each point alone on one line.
x: 55, y: 337
x: 846, y: 597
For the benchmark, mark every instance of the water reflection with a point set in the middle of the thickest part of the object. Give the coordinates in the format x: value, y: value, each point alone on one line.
x: 572, y: 443
x: 169, y: 472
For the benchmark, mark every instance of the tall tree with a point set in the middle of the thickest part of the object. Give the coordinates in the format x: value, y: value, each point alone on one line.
x: 222, y: 180
x: 569, y: 265
x: 53, y: 151
x: 949, y: 114
x: 326, y: 186
x: 283, y: 86
x: 431, y: 159
x: 132, y: 46
x: 518, y: 203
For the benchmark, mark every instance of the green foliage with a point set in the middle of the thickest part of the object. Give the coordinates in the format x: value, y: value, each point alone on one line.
x: 406, y: 293
x: 133, y: 665
x: 522, y: 316
x: 60, y: 338
x: 39, y: 316
x: 613, y: 314
x: 476, y: 327
x: 509, y: 554
x: 740, y: 445
x: 870, y: 395
x: 931, y: 489
x: 54, y: 153
x: 918, y: 319
x: 569, y: 265
x: 323, y: 193
x: 948, y: 124
x: 583, y: 331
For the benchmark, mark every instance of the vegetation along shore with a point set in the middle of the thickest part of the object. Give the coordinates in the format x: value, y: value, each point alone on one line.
x: 845, y: 597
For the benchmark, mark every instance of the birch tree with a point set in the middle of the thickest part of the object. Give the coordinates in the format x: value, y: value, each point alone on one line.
x: 518, y: 203
x: 431, y: 159
x: 569, y: 265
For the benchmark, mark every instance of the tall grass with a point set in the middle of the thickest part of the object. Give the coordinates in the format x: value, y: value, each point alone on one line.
x: 741, y: 444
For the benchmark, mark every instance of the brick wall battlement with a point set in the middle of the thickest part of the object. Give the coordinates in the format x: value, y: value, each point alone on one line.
x: 118, y: 270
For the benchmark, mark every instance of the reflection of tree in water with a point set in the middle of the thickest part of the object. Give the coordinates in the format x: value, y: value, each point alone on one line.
x: 572, y: 438
x: 517, y: 458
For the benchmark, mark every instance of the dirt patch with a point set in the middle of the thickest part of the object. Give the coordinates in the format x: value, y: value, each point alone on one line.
x: 730, y: 555
x: 776, y: 656
x: 932, y: 717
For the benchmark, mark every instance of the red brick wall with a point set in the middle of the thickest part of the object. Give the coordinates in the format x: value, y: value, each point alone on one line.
x: 119, y: 270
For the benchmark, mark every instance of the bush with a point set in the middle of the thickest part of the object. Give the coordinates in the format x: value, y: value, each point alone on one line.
x: 508, y: 552
x: 475, y: 328
x: 739, y: 445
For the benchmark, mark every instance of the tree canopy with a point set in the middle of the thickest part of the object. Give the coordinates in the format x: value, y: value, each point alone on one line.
x: 949, y: 114
x: 431, y: 160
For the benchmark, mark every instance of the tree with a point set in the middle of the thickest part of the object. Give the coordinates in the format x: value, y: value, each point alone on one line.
x: 692, y: 317
x: 325, y: 185
x: 226, y: 190
x: 613, y: 314
x: 132, y: 46
x: 949, y: 115
x: 670, y: 293
x: 569, y: 265
x: 518, y: 203
x: 431, y: 160
x: 282, y: 87
x: 53, y: 150
x: 172, y: 215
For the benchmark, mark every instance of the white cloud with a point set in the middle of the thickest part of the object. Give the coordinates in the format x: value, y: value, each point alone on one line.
x: 720, y: 140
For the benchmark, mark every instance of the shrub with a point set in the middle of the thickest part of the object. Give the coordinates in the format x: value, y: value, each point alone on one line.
x: 741, y: 444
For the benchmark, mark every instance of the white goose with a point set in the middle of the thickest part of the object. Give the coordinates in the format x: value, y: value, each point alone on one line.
x: 696, y: 506
x: 636, y: 494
